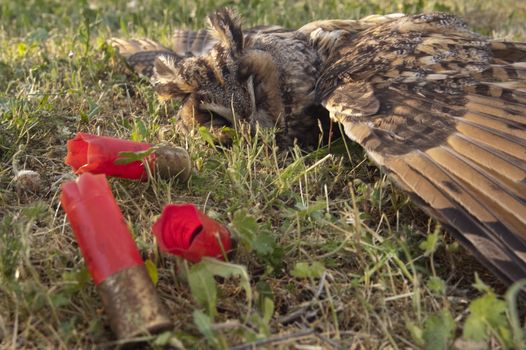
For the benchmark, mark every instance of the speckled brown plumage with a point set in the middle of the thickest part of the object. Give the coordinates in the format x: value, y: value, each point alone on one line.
x: 441, y: 109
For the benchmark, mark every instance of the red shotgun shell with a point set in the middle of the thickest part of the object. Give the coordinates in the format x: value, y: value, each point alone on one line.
x: 113, y: 260
x: 185, y: 231
x: 97, y: 155
x: 99, y: 227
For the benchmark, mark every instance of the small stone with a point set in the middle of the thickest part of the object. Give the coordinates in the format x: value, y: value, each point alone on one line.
x: 27, y: 181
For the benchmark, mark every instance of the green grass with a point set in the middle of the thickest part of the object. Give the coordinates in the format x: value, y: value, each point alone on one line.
x: 336, y: 256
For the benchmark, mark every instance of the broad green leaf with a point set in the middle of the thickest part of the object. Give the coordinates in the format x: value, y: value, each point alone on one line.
x: 246, y: 226
x: 264, y: 244
x: 314, y: 209
x: 436, y: 285
x: 207, y: 136
x: 519, y: 333
x: 76, y: 280
x: 303, y: 269
x: 203, y: 287
x: 230, y: 132
x: 265, y: 302
x: 94, y: 109
x: 416, y: 333
x: 430, y: 245
x: 268, y: 310
x: 203, y: 284
x: 256, y: 236
x: 130, y: 157
x: 439, y: 330
x: 486, y: 313
x: 168, y: 340
x: 204, y: 324
x: 475, y: 329
x: 223, y: 269
x: 263, y: 291
x: 290, y: 174
x: 480, y: 285
x: 60, y: 299
x: 163, y: 338
x: 84, y: 117
x: 152, y: 271
x: 140, y: 132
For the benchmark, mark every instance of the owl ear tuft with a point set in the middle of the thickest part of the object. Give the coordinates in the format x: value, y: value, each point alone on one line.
x: 165, y: 69
x: 168, y: 80
x: 226, y: 27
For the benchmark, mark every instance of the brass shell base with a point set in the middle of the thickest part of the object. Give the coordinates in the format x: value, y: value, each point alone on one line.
x: 172, y: 161
x: 132, y: 304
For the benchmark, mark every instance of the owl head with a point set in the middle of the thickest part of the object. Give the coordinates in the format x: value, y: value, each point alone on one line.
x: 215, y: 89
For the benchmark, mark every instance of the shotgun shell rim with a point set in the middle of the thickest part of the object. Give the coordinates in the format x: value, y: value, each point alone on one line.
x: 172, y: 161
x: 132, y: 304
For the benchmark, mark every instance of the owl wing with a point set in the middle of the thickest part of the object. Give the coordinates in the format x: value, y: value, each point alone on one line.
x: 140, y: 54
x: 196, y: 43
x: 192, y: 43
x: 443, y: 112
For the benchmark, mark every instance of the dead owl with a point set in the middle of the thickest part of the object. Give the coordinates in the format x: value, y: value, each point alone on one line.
x: 440, y: 109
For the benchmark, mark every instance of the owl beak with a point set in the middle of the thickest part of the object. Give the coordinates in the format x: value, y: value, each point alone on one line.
x: 219, y: 111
